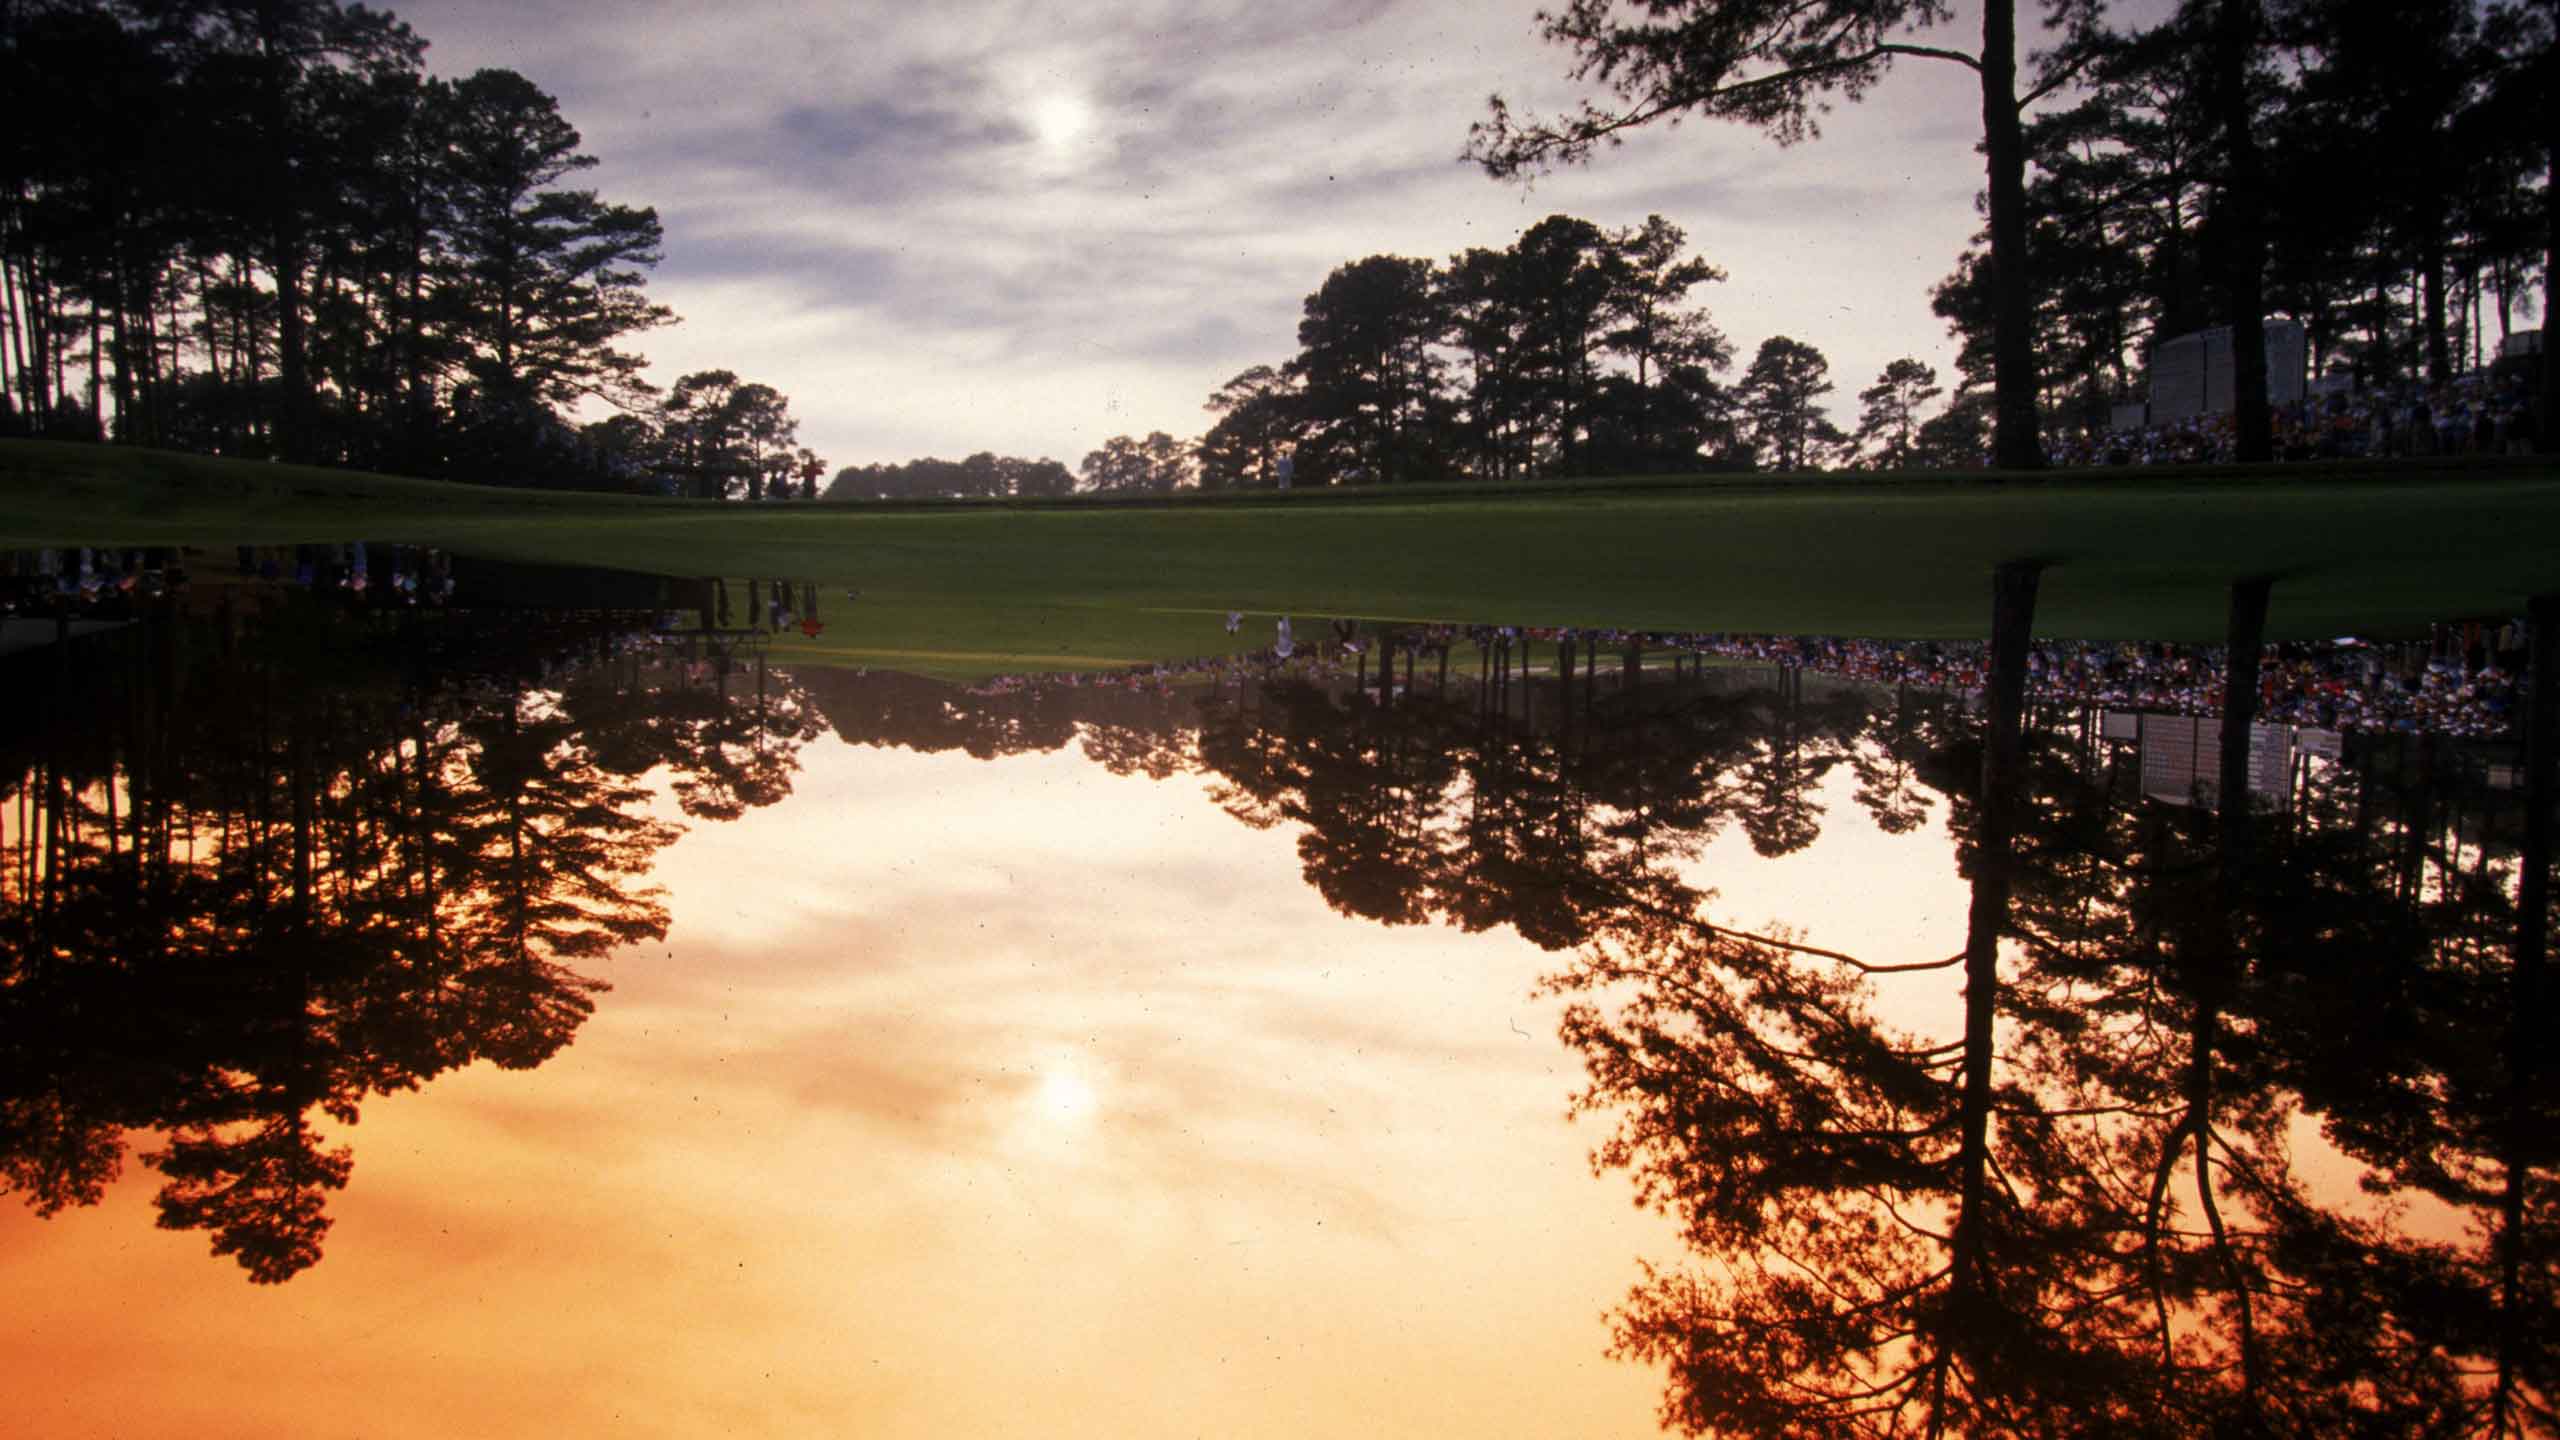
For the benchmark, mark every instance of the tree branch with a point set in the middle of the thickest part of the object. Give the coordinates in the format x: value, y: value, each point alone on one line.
x: 2056, y: 80
x: 1504, y: 152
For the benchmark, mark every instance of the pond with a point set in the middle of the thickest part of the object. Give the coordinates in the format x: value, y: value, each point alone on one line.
x: 494, y: 999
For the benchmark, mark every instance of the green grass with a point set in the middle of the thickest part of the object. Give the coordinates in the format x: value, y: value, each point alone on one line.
x: 974, y: 589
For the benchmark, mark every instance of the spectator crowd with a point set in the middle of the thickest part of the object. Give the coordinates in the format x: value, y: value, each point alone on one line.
x: 2463, y: 680
x: 2481, y: 413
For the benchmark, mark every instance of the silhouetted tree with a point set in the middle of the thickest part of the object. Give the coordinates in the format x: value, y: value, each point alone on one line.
x: 1780, y: 401
x: 545, y: 280
x: 1368, y: 372
x: 1772, y: 65
x: 1890, y: 419
x: 1258, y: 422
x: 1158, y: 464
x: 260, y: 894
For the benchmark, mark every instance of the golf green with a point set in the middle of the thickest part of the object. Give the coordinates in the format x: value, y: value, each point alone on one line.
x: 978, y: 588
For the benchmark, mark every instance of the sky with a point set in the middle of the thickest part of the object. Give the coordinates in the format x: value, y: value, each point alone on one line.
x: 1028, y: 227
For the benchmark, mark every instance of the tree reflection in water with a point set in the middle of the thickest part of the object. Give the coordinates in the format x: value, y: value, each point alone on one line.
x: 258, y: 869
x: 236, y: 902
x: 2094, y: 1212
x: 2112, y: 1204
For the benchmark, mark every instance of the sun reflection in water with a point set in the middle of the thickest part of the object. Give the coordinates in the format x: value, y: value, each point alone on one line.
x: 1066, y: 1095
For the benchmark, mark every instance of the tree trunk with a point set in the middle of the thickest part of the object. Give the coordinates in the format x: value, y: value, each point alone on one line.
x: 292, y: 420
x: 2013, y: 603
x: 2526, y: 1032
x: 2431, y: 262
x: 120, y: 333
x: 2015, y: 443
x: 418, y: 414
x: 2471, y: 313
x: 2242, y: 206
x: 2546, y: 423
x: 13, y: 354
x: 26, y: 339
x: 97, y: 373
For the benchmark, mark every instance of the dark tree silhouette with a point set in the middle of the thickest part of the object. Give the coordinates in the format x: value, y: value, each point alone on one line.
x: 544, y: 280
x: 1889, y: 414
x: 1368, y: 368
x: 319, y: 862
x: 1771, y: 66
x: 1780, y: 397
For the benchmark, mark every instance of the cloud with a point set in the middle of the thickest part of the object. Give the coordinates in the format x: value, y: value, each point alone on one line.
x: 1026, y: 227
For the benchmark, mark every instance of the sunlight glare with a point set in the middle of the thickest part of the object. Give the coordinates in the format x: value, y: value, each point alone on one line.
x: 1066, y: 1096
x: 1058, y: 120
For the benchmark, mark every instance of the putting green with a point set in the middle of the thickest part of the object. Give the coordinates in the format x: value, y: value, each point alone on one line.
x: 974, y: 588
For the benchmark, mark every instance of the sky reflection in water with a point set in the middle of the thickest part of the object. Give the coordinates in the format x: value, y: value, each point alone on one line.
x: 1017, y: 1096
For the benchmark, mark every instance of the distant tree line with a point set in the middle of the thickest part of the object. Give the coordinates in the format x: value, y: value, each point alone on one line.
x: 1577, y: 350
x: 260, y: 228
x: 983, y: 476
x: 1574, y: 350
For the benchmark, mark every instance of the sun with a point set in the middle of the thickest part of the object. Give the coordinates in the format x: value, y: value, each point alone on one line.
x: 1065, y: 1095
x: 1058, y: 120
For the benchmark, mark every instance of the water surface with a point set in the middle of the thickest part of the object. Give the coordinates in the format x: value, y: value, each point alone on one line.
x: 524, y: 1016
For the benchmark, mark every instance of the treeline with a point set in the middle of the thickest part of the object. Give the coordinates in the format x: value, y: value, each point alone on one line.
x: 1159, y: 463
x: 1577, y: 350
x: 2380, y: 174
x: 2390, y: 163
x: 260, y: 228
x: 982, y: 476
x: 237, y: 905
